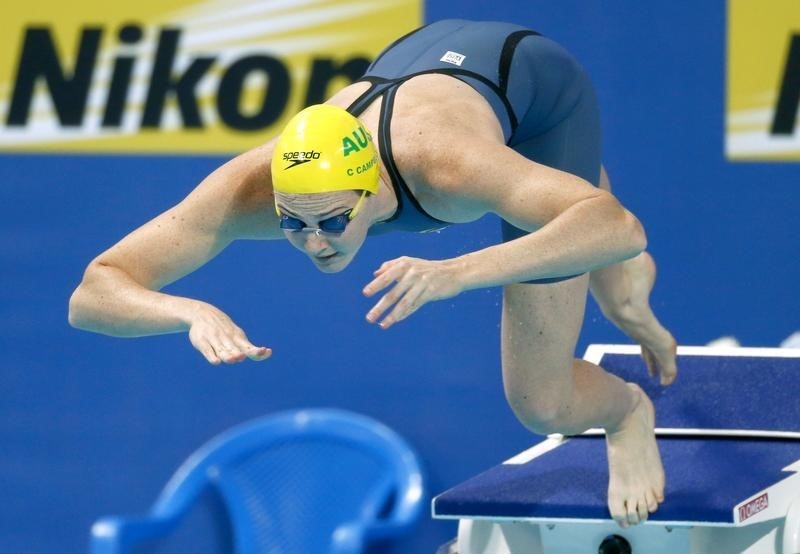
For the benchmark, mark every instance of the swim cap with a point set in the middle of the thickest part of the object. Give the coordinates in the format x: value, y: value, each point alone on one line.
x: 324, y: 149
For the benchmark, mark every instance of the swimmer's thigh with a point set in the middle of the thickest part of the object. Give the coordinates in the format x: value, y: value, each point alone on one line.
x: 540, y: 328
x: 542, y: 319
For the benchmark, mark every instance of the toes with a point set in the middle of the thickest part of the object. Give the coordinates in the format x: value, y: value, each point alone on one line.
x: 627, y: 514
x: 649, y: 361
x: 668, y: 373
x: 652, y: 502
x: 618, y: 513
x: 669, y: 369
x: 642, y: 510
x: 659, y: 486
x: 664, y: 367
x: 634, y: 512
x: 622, y: 521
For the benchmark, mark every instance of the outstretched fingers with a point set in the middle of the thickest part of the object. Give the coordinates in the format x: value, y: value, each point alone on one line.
x: 235, y: 354
x: 392, y: 297
x: 412, y: 282
x: 384, y: 276
x: 255, y: 353
x: 225, y: 349
x: 408, y: 303
x: 403, y: 294
x: 208, y: 352
x: 220, y: 340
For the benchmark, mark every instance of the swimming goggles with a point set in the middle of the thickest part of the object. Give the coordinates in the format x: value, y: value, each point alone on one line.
x: 333, y: 225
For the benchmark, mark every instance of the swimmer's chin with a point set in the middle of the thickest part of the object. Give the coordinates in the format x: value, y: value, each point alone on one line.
x: 334, y: 264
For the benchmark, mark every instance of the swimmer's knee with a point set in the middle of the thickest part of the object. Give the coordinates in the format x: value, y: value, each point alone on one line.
x: 541, y: 412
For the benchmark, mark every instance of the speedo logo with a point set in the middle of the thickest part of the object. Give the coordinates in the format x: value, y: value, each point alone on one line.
x: 299, y: 158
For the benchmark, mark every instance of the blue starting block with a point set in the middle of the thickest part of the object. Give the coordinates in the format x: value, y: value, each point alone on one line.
x: 729, y: 435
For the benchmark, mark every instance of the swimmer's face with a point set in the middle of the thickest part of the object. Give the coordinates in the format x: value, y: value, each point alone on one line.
x: 330, y: 252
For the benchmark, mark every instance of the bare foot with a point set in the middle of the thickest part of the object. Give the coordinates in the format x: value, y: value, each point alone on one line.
x: 658, y: 346
x: 661, y: 362
x: 636, y: 476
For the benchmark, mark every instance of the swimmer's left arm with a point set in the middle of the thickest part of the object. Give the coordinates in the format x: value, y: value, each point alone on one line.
x: 579, y: 228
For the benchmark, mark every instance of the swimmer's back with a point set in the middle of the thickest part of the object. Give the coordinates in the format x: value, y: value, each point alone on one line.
x: 529, y: 81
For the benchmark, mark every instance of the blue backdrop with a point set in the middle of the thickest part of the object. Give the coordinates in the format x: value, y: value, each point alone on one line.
x: 91, y: 425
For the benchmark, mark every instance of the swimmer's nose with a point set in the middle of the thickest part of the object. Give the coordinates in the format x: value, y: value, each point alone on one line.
x: 315, y: 245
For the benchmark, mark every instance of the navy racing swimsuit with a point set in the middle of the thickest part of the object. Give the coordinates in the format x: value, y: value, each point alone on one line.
x: 542, y: 98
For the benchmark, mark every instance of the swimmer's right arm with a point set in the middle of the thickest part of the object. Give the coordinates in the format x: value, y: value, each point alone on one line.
x: 120, y: 291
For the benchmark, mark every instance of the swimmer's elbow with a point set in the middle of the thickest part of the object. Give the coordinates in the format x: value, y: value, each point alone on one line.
x: 74, y: 312
x: 78, y: 309
x: 82, y: 307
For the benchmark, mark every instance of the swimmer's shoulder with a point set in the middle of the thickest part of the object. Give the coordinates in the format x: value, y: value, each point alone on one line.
x: 239, y: 196
x: 436, y: 119
x: 440, y: 123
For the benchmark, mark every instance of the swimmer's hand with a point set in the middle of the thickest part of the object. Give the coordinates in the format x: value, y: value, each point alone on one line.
x: 416, y: 282
x: 219, y: 339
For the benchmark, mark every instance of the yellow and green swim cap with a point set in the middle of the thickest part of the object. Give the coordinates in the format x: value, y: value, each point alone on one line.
x: 324, y: 149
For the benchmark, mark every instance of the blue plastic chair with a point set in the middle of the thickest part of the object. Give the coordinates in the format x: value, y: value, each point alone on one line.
x: 305, y: 482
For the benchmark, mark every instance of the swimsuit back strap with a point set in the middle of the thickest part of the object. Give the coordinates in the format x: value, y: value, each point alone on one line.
x: 385, y: 145
x: 378, y: 86
x: 507, y: 55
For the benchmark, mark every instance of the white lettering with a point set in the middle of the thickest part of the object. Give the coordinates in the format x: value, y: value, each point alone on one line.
x: 453, y: 57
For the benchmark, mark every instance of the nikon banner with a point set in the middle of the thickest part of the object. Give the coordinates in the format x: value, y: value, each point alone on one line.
x: 763, y: 80
x: 171, y: 76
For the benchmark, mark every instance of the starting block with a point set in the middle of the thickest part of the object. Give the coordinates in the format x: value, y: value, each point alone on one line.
x: 729, y: 434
